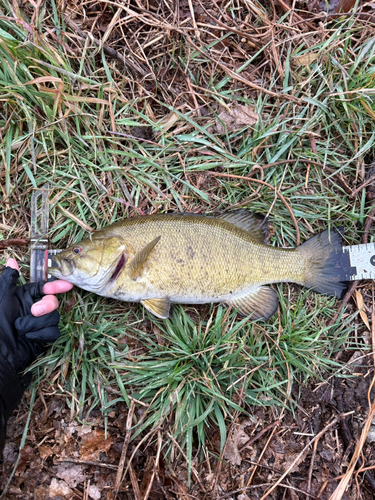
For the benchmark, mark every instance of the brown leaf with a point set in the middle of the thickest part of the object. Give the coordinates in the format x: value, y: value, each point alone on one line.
x: 69, y: 304
x: 307, y: 59
x: 94, y: 444
x: 45, y: 451
x: 236, y: 117
x: 169, y: 121
x: 234, y: 442
x: 361, y: 308
x: 71, y: 474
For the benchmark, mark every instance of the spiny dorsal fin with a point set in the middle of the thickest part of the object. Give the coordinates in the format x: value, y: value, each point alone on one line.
x: 261, y: 303
x: 137, y: 264
x: 158, y: 307
x: 253, y: 223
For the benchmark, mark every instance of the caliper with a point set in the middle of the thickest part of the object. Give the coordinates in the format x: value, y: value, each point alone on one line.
x: 40, y: 255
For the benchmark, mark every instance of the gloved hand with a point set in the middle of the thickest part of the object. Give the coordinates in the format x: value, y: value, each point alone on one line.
x: 24, y: 334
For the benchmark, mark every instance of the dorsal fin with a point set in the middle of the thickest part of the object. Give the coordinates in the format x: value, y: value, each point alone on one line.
x: 137, y: 264
x: 253, y: 223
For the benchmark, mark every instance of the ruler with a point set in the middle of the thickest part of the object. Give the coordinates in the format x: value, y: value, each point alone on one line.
x: 362, y: 261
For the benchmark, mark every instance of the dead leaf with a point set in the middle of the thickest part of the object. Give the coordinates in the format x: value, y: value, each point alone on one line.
x: 94, y: 492
x: 307, y: 59
x: 361, y: 308
x: 234, y: 118
x: 69, y: 304
x: 71, y: 474
x: 94, y: 444
x: 59, y: 489
x: 168, y: 121
x: 45, y: 451
x: 234, y: 442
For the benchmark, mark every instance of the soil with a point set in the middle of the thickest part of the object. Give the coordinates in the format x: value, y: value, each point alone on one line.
x: 71, y: 459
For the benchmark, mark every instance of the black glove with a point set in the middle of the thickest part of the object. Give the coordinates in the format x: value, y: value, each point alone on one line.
x: 22, y: 338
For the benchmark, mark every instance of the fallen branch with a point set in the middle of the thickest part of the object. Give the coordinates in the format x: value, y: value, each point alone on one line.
x: 14, y: 242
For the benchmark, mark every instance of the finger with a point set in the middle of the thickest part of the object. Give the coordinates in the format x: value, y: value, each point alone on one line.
x: 59, y: 286
x: 13, y: 264
x: 48, y: 304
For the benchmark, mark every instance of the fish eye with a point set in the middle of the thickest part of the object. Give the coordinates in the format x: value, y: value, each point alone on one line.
x: 77, y: 250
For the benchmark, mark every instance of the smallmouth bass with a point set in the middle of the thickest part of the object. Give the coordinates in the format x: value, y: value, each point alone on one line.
x: 192, y: 259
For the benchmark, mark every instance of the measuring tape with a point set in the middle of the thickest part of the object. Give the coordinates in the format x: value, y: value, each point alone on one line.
x: 362, y: 261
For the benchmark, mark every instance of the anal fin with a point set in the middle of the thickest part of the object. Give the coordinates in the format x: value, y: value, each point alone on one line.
x: 159, y: 307
x: 261, y: 303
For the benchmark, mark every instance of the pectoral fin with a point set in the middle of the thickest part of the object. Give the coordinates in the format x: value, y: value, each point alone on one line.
x: 260, y: 304
x: 159, y: 307
x: 137, y: 264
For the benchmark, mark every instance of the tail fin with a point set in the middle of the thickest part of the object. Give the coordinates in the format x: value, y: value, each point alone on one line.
x: 328, y: 266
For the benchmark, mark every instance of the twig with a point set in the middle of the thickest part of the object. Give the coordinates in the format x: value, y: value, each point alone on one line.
x: 260, y: 434
x: 263, y: 451
x: 13, y: 242
x: 231, y: 432
x: 134, y: 480
x: 193, y: 469
x: 340, y: 490
x: 22, y: 445
x: 156, y: 466
x: 85, y: 462
x: 311, y: 468
x: 347, y: 437
x: 356, y: 458
x: 297, y: 16
x: 124, y: 449
x: 344, y: 301
x: 362, y: 186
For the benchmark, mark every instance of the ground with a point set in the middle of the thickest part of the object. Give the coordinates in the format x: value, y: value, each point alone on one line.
x: 138, y: 107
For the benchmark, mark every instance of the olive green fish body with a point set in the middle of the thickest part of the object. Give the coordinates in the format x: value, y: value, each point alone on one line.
x: 162, y: 259
x: 200, y: 259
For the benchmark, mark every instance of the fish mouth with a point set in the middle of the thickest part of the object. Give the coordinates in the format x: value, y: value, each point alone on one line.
x: 119, y: 267
x: 60, y: 266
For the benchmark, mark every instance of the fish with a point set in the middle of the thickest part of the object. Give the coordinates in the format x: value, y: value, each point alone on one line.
x: 162, y: 259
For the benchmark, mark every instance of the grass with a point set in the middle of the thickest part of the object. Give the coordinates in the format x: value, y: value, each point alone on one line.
x: 112, y: 146
x: 192, y: 374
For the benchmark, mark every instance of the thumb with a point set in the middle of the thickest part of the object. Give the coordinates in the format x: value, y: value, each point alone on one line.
x: 13, y: 264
